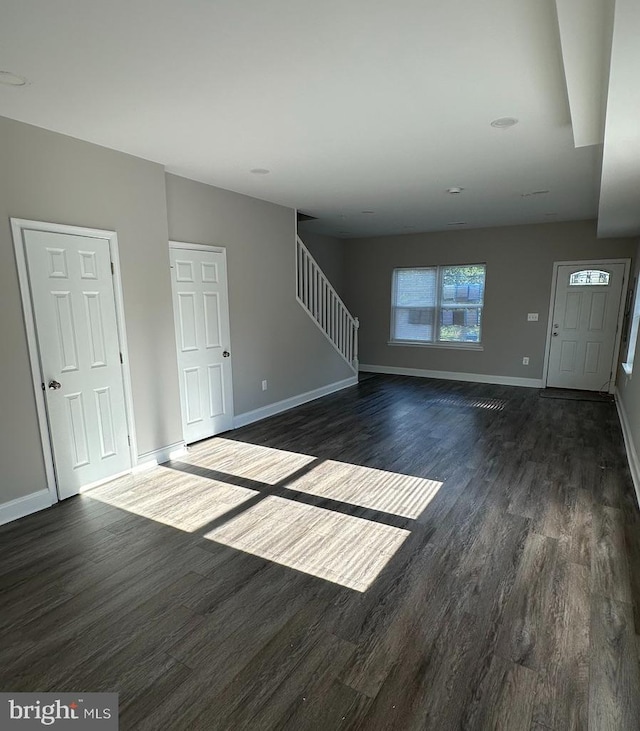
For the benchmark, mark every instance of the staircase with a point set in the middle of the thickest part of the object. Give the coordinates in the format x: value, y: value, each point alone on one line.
x: 323, y: 305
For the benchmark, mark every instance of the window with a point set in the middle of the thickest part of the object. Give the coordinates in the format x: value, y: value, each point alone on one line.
x: 589, y: 277
x: 633, y: 335
x: 437, y: 305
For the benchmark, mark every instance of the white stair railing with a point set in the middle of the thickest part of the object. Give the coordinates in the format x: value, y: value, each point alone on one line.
x: 323, y: 304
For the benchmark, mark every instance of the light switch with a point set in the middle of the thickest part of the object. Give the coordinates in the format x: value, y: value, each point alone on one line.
x: 532, y: 316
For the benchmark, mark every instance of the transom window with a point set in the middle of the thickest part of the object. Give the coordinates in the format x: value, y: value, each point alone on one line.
x: 589, y: 277
x: 439, y: 304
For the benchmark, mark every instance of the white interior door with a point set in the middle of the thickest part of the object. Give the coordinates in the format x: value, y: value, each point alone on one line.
x: 72, y: 296
x: 201, y: 311
x: 585, y: 320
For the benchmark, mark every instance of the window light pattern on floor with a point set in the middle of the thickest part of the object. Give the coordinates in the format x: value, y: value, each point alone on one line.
x: 185, y: 502
x: 492, y: 404
x: 259, y: 500
x: 251, y: 461
x: 388, y: 492
x: 340, y: 548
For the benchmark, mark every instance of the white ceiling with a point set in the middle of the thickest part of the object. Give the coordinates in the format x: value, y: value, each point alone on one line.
x: 353, y: 105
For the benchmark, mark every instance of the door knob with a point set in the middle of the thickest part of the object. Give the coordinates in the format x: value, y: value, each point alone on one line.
x: 226, y: 354
x: 54, y: 385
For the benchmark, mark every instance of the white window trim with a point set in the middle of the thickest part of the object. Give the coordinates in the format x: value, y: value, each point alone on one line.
x: 627, y: 366
x: 455, y: 344
x: 443, y: 344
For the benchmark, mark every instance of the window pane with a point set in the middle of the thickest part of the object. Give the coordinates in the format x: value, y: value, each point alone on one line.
x: 462, y: 287
x: 415, y: 287
x: 413, y: 324
x: 589, y: 277
x: 460, y: 325
x: 633, y: 335
x: 438, y: 304
x: 463, y: 284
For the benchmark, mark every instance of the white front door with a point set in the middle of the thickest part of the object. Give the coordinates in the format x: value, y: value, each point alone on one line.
x: 585, y: 320
x: 72, y: 296
x: 201, y: 312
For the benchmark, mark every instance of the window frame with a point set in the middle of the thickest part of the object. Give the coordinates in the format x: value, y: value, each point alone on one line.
x: 590, y: 270
x: 634, y: 327
x: 436, y: 343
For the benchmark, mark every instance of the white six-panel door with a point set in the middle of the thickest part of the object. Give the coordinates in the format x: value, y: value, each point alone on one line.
x: 74, y: 312
x: 201, y: 313
x: 584, y: 326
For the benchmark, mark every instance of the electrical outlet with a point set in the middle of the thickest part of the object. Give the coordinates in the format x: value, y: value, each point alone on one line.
x: 532, y: 317
x: 264, y: 385
x: 525, y: 360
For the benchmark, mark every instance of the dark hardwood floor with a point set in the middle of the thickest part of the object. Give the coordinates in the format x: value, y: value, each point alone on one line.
x: 407, y: 554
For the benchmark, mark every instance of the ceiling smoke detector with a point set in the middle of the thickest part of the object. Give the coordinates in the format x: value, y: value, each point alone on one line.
x: 504, y: 122
x: 9, y: 79
x: 455, y: 190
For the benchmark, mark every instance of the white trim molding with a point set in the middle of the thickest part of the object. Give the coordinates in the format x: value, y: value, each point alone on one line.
x: 228, y: 398
x: 290, y: 403
x: 22, y: 506
x: 148, y: 460
x: 453, y: 376
x: 197, y: 247
x: 18, y: 227
x: 621, y: 307
x: 632, y: 454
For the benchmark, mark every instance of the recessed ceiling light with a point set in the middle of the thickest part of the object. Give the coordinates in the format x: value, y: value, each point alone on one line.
x: 455, y: 190
x: 369, y: 213
x: 9, y: 79
x: 457, y: 223
x: 259, y: 171
x: 504, y: 122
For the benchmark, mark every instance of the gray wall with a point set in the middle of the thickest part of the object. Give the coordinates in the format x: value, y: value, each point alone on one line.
x: 329, y: 253
x: 519, y: 269
x: 629, y: 386
x: 49, y: 177
x: 272, y: 338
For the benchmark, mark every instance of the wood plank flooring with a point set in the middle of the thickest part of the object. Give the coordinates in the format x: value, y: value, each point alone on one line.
x: 407, y: 554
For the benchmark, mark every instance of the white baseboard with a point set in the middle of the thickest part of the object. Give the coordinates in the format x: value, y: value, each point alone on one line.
x: 632, y: 455
x: 148, y: 460
x: 26, y: 505
x: 272, y: 409
x: 453, y: 376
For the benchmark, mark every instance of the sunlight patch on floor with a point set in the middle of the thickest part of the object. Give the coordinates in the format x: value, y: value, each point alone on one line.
x: 339, y: 548
x: 241, y: 459
x: 388, y: 492
x: 183, y: 501
x: 491, y: 404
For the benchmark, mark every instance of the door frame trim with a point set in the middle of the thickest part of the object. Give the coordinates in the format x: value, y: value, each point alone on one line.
x: 552, y: 303
x: 18, y: 227
x: 218, y: 250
